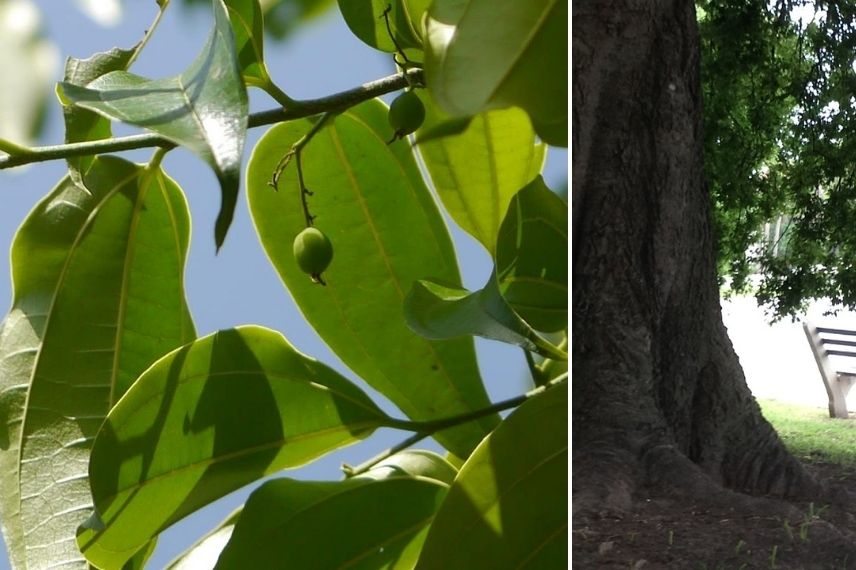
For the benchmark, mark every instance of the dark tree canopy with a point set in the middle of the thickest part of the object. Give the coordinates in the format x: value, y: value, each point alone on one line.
x: 780, y: 127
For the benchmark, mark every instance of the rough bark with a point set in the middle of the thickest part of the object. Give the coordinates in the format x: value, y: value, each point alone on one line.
x: 658, y: 393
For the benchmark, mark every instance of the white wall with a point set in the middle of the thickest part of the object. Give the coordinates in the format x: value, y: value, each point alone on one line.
x: 776, y: 358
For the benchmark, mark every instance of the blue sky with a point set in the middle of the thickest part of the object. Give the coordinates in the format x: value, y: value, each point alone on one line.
x: 239, y: 286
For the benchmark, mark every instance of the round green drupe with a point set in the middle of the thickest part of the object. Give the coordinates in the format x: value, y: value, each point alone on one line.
x: 313, y: 251
x: 406, y: 114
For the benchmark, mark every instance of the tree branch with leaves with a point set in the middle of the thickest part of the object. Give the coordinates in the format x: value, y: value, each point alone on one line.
x: 143, y: 422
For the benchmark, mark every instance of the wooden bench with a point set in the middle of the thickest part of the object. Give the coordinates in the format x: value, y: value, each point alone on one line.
x: 837, y: 377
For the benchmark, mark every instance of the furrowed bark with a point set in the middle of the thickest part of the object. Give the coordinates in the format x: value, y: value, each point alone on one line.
x: 658, y: 392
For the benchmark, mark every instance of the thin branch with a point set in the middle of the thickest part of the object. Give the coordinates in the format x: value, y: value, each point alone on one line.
x: 307, y: 108
x: 162, y: 6
x: 294, y: 151
x: 433, y: 426
x: 427, y: 428
x: 279, y: 95
x: 534, y: 371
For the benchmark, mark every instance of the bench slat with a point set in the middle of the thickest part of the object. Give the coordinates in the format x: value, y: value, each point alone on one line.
x: 838, y: 342
x: 837, y: 385
x: 839, y: 353
x: 829, y: 330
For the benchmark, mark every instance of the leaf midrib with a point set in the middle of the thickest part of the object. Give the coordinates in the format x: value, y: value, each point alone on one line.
x: 63, y: 274
x: 393, y: 277
x: 241, y: 453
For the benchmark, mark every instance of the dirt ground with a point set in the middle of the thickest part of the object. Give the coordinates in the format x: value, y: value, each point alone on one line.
x: 663, y: 532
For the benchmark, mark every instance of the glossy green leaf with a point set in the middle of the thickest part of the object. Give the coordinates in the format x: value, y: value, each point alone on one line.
x: 549, y: 368
x: 83, y: 124
x: 439, y: 312
x: 359, y: 523
x: 205, y: 552
x: 477, y: 171
x: 414, y: 463
x: 508, y: 508
x: 204, y: 109
x: 285, y: 17
x: 532, y: 257
x: 442, y: 129
x: 366, y: 20
x: 28, y: 61
x: 248, y: 27
x: 484, y: 54
x: 386, y: 232
x: 205, y: 420
x: 98, y: 296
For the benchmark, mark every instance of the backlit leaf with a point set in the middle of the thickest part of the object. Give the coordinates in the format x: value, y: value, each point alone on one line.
x: 439, y: 312
x: 248, y: 27
x: 476, y: 172
x: 98, y: 296
x: 532, y: 257
x: 414, y: 463
x: 485, y: 54
x: 204, y: 109
x: 386, y: 233
x: 508, y: 507
x: 360, y: 523
x: 366, y: 20
x: 205, y: 552
x: 205, y: 420
x: 83, y: 124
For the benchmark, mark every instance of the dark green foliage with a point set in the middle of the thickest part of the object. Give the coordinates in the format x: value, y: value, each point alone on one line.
x: 283, y: 17
x: 780, y: 128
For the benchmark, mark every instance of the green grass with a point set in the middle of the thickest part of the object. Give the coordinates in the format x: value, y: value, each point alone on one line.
x: 810, y: 433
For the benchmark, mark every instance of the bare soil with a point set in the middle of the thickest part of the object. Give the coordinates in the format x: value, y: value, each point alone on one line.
x: 685, y: 533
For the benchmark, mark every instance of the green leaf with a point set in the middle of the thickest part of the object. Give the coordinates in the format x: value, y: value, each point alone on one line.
x: 248, y: 27
x: 205, y: 552
x: 82, y: 124
x: 98, y: 296
x: 414, y: 463
x: 484, y: 54
x: 28, y: 61
x: 205, y: 420
x: 508, y: 508
x: 285, y: 17
x: 442, y: 129
x: 357, y: 523
x: 366, y: 20
x: 478, y: 171
x: 532, y: 257
x: 386, y: 232
x: 439, y: 312
x: 204, y: 109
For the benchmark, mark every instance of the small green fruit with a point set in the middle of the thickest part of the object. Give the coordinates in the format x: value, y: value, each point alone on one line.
x: 313, y: 252
x: 406, y: 114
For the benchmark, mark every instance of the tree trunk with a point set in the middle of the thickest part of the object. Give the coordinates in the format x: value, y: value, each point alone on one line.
x: 658, y: 393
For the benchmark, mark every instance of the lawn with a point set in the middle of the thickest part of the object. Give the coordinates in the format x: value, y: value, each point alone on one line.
x: 811, y: 434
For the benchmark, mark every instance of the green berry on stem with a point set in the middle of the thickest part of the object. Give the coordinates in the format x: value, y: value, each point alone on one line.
x: 406, y: 114
x: 313, y: 252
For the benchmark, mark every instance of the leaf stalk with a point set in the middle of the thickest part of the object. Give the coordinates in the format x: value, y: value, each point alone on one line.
x: 425, y: 429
